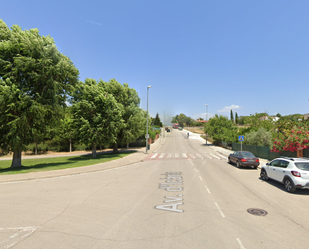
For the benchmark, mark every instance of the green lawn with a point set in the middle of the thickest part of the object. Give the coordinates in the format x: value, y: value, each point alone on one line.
x: 44, y: 164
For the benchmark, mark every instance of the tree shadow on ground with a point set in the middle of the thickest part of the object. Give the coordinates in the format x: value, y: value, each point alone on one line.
x: 63, y: 164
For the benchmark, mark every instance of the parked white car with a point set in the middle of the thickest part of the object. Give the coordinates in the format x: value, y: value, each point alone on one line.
x: 292, y: 172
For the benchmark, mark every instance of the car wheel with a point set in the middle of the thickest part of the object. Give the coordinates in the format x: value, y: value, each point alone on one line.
x: 229, y: 161
x: 289, y: 185
x: 263, y: 175
x: 237, y: 164
x: 255, y: 167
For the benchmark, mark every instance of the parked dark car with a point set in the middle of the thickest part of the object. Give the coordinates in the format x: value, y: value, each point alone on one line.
x: 244, y: 159
x: 168, y: 130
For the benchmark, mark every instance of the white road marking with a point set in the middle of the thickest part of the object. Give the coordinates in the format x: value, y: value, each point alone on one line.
x: 214, y: 156
x: 191, y: 155
x: 176, y: 155
x: 200, y: 178
x: 196, y: 170
x: 184, y: 155
x: 222, y: 214
x: 199, y: 155
x: 208, y: 156
x: 207, y: 189
x: 162, y: 155
x: 240, y: 243
x: 154, y: 156
x: 21, y: 233
x: 191, y: 163
x: 169, y: 155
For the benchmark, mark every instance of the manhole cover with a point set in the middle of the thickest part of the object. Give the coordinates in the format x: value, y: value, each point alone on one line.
x: 257, y: 211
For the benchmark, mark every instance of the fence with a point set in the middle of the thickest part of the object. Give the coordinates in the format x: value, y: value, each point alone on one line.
x: 260, y: 151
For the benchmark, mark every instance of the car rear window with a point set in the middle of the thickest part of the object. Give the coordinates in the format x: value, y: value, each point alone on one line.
x: 302, y: 166
x: 247, y: 154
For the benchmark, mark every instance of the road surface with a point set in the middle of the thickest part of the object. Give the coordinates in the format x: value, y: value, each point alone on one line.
x: 185, y: 195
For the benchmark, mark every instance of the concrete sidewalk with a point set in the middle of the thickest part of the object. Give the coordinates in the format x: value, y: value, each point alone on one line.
x: 223, y: 151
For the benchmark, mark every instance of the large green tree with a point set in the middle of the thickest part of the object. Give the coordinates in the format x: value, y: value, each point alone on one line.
x: 134, y: 122
x: 35, y: 80
x: 220, y: 128
x: 96, y: 115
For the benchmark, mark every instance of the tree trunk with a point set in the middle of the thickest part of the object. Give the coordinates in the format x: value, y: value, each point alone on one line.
x: 100, y: 146
x: 127, y: 146
x: 36, y: 149
x: 94, y: 150
x: 70, y: 145
x: 16, y: 159
x: 115, y: 148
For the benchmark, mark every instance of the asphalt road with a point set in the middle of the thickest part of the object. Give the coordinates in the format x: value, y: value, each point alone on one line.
x: 184, y: 195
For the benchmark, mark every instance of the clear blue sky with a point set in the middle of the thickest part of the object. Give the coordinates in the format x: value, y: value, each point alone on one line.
x: 249, y: 56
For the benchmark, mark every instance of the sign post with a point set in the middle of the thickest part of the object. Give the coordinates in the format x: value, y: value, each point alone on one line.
x: 241, y: 139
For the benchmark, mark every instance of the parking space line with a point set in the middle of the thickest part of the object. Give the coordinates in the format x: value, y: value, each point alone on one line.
x: 200, y: 178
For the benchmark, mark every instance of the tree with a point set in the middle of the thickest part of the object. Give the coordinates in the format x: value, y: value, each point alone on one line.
x: 96, y: 115
x: 220, y: 128
x: 232, y: 116
x: 35, y: 80
x: 236, y: 118
x: 134, y: 122
x: 261, y: 137
x: 157, y: 121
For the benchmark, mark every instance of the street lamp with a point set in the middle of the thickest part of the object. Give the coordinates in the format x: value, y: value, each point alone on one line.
x: 147, y: 136
x: 206, y: 120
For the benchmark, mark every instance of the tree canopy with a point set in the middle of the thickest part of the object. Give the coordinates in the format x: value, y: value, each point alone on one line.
x: 220, y: 128
x: 35, y: 80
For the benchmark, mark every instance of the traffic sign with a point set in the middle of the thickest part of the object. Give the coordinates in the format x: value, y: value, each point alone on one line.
x: 241, y: 138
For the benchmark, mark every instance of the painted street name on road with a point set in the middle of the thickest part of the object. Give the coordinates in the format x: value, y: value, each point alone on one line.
x: 172, y: 180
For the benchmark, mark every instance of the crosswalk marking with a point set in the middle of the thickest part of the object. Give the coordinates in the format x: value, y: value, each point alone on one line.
x: 154, y: 156
x: 198, y: 156
x: 209, y: 156
x: 214, y: 156
x: 192, y: 156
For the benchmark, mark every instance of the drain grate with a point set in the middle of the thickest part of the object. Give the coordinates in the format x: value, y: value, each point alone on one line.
x: 257, y: 211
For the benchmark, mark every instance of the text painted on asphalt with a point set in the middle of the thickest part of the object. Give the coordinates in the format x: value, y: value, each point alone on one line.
x: 173, y: 183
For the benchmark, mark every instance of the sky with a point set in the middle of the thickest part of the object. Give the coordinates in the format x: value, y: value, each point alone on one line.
x: 249, y: 56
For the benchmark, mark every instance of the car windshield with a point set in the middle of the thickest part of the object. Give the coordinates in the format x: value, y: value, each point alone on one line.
x: 247, y: 154
x: 302, y: 166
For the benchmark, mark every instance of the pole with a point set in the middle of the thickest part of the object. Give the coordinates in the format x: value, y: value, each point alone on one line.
x: 206, y: 120
x: 147, y: 121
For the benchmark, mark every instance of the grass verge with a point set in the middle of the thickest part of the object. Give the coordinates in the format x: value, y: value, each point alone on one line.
x: 44, y: 164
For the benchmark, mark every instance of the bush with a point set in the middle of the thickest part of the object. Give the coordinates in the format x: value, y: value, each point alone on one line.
x: 261, y: 137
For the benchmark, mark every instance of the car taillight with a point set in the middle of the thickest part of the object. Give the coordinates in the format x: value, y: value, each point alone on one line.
x: 257, y: 160
x: 296, y: 173
x: 243, y: 160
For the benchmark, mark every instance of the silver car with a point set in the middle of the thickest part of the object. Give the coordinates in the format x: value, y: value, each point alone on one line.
x: 292, y: 172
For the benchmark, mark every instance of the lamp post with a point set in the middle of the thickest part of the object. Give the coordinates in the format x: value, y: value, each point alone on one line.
x: 147, y: 136
x: 206, y: 120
